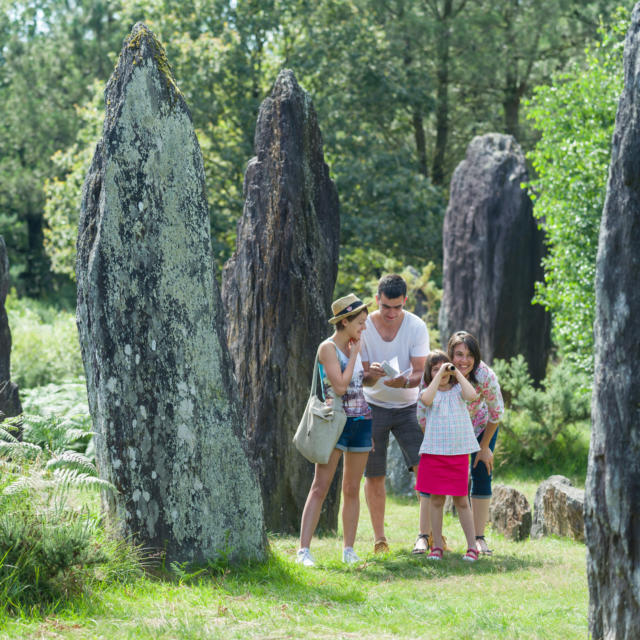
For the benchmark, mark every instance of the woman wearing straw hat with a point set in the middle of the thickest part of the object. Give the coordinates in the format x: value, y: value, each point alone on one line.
x: 341, y: 372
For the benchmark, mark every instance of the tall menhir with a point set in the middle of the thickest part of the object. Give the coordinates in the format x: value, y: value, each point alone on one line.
x: 161, y: 393
x: 277, y: 289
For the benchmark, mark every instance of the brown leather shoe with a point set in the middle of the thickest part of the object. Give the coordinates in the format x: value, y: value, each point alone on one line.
x: 381, y: 546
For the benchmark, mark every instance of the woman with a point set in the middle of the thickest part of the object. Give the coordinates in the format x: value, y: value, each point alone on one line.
x: 342, y: 373
x: 485, y: 411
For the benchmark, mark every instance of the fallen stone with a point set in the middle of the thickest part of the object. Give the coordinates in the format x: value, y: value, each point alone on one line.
x: 510, y: 513
x: 558, y: 509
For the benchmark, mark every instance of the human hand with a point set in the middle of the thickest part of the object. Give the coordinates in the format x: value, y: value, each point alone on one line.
x: 486, y: 456
x: 396, y: 383
x: 354, y: 345
x: 376, y: 370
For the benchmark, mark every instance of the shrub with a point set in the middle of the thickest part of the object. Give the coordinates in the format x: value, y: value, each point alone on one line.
x: 45, y: 345
x: 51, y: 550
x: 547, y: 427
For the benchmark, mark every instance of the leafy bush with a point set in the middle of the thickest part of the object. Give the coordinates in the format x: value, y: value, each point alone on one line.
x: 51, y: 550
x: 547, y: 427
x: 45, y: 345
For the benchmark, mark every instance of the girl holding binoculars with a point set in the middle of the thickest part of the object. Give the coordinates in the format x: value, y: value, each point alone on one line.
x: 444, y: 455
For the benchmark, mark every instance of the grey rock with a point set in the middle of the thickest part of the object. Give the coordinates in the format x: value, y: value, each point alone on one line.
x: 510, y: 513
x: 399, y: 480
x: 492, y: 252
x: 558, y: 509
x: 277, y: 289
x: 159, y: 376
x: 612, y: 510
x: 10, y: 405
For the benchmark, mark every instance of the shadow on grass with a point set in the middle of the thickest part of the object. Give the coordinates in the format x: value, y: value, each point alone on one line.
x: 283, y: 580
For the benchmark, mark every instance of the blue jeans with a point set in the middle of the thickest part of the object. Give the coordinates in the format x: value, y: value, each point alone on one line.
x: 480, y: 478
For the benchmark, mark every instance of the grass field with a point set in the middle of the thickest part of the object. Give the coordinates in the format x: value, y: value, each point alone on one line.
x: 533, y: 589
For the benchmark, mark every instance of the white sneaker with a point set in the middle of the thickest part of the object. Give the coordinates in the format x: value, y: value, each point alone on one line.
x: 350, y: 556
x: 305, y: 558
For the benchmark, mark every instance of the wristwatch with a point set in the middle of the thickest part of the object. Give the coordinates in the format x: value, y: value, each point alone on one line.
x: 406, y: 384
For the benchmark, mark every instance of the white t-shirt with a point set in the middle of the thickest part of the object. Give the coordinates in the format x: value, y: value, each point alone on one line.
x: 411, y: 341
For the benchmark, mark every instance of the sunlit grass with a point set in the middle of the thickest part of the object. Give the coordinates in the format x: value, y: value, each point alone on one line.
x: 532, y: 589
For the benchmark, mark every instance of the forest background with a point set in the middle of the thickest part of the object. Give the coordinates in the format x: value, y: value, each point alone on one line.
x: 400, y: 87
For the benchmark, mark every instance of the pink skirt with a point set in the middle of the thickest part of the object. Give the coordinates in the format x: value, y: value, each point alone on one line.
x: 443, y: 475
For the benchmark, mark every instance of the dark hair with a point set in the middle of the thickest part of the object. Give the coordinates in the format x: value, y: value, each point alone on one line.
x: 392, y: 286
x: 340, y: 326
x: 470, y: 341
x: 433, y: 357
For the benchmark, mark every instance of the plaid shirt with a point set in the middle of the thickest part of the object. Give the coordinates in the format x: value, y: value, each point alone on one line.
x: 447, y: 426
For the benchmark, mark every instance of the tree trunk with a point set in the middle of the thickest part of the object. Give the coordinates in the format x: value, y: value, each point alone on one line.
x: 612, y: 508
x: 442, y: 93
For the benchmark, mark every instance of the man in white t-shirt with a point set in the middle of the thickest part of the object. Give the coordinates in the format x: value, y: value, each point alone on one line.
x: 392, y: 334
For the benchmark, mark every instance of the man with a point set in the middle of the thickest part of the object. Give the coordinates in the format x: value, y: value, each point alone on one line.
x: 391, y: 333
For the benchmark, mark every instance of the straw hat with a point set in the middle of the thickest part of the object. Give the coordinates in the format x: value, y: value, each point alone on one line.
x: 347, y: 307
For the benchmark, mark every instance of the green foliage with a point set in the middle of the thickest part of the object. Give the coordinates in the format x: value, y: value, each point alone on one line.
x: 575, y: 115
x: 51, y: 550
x: 45, y: 345
x: 361, y: 269
x: 547, y: 427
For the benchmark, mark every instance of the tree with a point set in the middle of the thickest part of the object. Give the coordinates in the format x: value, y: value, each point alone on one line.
x: 575, y: 116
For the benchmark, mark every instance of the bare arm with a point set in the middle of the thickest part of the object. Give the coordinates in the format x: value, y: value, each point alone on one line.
x: 468, y: 391
x: 329, y: 358
x: 429, y: 393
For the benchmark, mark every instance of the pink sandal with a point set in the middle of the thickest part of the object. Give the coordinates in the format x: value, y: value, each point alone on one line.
x: 436, y: 553
x: 470, y: 556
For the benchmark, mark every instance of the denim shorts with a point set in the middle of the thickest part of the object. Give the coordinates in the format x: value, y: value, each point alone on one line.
x: 356, y: 436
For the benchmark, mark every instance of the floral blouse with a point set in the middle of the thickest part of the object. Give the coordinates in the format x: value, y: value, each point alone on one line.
x: 488, y: 405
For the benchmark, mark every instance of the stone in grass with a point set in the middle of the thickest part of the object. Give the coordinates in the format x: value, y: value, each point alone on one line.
x: 510, y: 513
x: 161, y: 392
x: 558, y: 509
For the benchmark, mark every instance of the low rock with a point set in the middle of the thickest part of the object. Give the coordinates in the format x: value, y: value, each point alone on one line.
x: 400, y: 481
x: 510, y: 513
x: 558, y: 509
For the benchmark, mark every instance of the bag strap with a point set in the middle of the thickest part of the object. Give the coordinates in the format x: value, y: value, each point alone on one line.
x: 316, y: 370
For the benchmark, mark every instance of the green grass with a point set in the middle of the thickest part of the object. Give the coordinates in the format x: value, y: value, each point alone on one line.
x: 533, y: 589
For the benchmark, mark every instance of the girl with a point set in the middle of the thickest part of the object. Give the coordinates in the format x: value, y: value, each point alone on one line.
x: 485, y: 411
x: 342, y: 373
x: 444, y: 454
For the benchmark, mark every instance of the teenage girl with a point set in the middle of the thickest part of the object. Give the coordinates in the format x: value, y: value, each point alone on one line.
x: 444, y: 454
x: 342, y: 373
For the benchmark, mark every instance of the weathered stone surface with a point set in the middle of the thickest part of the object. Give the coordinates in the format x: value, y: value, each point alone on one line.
x: 612, y: 510
x: 558, y: 509
x: 399, y: 480
x: 159, y: 377
x: 510, y: 513
x: 10, y: 405
x: 492, y: 251
x: 277, y: 289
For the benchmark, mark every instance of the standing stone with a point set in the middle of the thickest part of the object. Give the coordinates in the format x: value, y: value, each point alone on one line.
x: 558, y: 509
x: 277, y: 289
x: 612, y: 510
x: 161, y: 391
x: 10, y: 405
x: 492, y: 252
